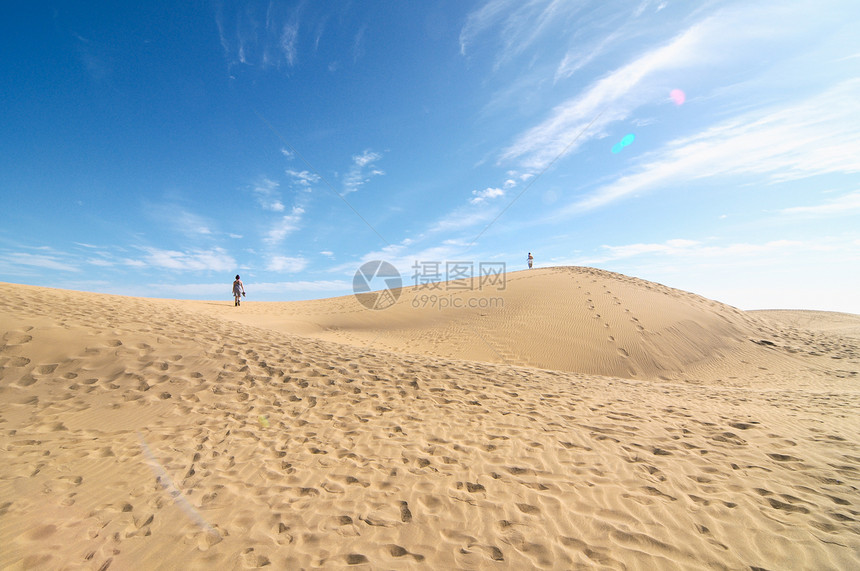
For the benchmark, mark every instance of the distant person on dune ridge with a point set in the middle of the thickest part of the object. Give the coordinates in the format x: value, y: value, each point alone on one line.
x: 238, y: 290
x: 531, y: 260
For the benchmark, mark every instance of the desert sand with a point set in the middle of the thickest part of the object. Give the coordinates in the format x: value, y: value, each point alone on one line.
x: 575, y: 418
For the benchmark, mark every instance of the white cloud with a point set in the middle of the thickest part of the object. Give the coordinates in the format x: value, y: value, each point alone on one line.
x: 267, y: 194
x: 215, y: 259
x: 180, y: 220
x: 303, y: 178
x: 256, y: 289
x: 820, y: 135
x: 366, y: 158
x: 802, y: 274
x: 520, y: 24
x: 725, y: 38
x: 844, y: 205
x: 303, y: 286
x: 286, y: 264
x: 361, y: 171
x: 481, y: 196
x: 289, y: 37
x: 671, y: 247
x: 193, y: 224
x: 581, y: 56
x: 48, y: 262
x: 684, y: 251
x: 285, y: 226
x: 262, y: 35
x: 403, y: 257
x: 462, y: 218
x: 358, y: 44
x: 477, y: 22
x: 610, y: 99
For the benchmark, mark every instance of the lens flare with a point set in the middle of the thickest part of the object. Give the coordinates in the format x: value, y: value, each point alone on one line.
x: 617, y: 147
x: 678, y: 96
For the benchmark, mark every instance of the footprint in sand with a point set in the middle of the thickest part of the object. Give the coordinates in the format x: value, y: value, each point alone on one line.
x: 26, y: 381
x: 399, y: 551
x: 783, y: 458
x: 13, y: 338
x: 355, y: 559
x: 528, y: 509
x: 255, y: 560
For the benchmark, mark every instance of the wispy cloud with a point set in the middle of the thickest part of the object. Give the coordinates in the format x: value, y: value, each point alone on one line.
x: 304, y: 179
x: 287, y: 41
x: 748, y: 274
x: 697, y: 252
x: 481, y: 196
x: 411, y: 260
x: 480, y: 20
x: 462, y: 218
x: 256, y: 289
x: 285, y: 226
x: 845, y: 205
x: 580, y: 56
x: 361, y: 170
x: 12, y: 261
x: 180, y: 220
x: 215, y: 259
x: 719, y: 41
x: 262, y: 36
x: 608, y: 100
x: 286, y: 264
x: 521, y: 24
x: 304, y: 286
x: 266, y: 192
x: 819, y: 135
x: 358, y: 44
x: 94, y: 58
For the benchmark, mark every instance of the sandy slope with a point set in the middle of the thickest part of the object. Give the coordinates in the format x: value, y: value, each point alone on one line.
x: 143, y: 434
x: 569, y: 319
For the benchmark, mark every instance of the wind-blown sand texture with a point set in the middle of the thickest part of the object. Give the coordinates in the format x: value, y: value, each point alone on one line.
x: 593, y: 421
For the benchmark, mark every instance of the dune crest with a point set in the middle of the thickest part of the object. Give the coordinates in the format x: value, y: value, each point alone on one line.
x: 142, y: 433
x: 574, y: 319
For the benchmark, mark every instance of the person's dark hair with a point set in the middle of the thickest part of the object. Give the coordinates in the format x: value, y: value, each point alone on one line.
x: 237, y: 276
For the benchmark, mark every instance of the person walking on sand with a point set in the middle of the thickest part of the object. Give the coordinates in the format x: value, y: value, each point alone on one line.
x: 238, y: 290
x: 531, y: 260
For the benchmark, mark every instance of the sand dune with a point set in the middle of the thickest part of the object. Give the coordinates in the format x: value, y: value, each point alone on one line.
x: 591, y: 421
x: 568, y: 319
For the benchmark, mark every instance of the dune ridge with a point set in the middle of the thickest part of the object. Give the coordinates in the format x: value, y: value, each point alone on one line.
x: 574, y: 319
x: 144, y: 433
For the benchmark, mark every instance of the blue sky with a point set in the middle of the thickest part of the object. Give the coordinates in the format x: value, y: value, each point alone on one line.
x: 158, y: 150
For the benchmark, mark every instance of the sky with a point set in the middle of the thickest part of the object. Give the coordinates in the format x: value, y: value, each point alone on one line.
x: 160, y: 148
